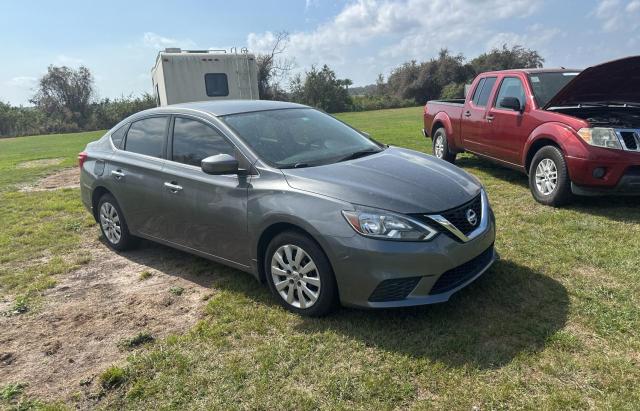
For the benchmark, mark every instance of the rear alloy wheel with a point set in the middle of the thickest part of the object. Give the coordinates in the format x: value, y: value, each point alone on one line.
x: 548, y: 177
x: 441, y: 146
x: 113, y: 225
x: 299, y: 274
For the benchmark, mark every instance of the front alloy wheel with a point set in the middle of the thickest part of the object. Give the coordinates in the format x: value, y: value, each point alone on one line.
x: 299, y: 274
x: 546, y: 176
x: 295, y: 276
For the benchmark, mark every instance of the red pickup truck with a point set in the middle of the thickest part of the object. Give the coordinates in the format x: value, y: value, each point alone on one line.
x: 572, y: 132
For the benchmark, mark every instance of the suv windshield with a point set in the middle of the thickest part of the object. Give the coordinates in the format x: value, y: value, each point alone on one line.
x: 299, y: 137
x: 546, y: 85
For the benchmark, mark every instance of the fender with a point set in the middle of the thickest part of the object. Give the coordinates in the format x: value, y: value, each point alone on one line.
x: 453, y: 139
x: 559, y: 133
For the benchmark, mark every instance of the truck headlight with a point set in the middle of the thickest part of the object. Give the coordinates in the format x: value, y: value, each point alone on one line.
x: 600, y: 137
x: 385, y: 225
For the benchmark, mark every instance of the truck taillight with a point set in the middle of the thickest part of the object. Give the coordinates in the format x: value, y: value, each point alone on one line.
x: 82, y: 157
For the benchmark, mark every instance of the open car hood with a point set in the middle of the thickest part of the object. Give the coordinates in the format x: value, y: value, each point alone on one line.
x: 617, y: 81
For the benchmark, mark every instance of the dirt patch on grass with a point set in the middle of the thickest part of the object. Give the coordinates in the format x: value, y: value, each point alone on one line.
x: 60, y: 350
x: 40, y: 163
x: 67, y: 178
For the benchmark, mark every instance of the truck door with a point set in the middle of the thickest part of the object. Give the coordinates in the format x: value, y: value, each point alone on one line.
x: 508, y: 129
x: 473, y: 122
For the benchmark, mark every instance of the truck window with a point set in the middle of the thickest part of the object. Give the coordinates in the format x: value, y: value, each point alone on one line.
x: 510, y: 87
x: 476, y: 93
x: 483, y: 97
x: 216, y: 84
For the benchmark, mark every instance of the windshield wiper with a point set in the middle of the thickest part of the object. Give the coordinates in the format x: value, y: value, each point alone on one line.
x: 296, y: 165
x: 359, y: 154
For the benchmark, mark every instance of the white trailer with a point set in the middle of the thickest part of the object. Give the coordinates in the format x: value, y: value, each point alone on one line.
x: 181, y: 76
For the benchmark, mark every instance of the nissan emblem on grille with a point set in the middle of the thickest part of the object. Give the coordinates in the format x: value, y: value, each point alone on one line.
x: 472, y: 217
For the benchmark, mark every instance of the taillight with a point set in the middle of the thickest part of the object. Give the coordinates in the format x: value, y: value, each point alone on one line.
x: 82, y: 157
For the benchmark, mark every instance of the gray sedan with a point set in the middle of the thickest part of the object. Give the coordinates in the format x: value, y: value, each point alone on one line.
x: 319, y: 211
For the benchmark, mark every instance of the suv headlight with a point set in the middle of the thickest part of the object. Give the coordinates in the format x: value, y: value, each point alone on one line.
x: 600, y: 137
x: 385, y: 225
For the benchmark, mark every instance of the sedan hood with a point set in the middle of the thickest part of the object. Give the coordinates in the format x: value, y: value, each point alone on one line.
x: 616, y: 81
x: 396, y: 179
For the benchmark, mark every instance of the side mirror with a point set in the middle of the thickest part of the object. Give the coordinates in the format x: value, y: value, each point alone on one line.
x: 511, y: 103
x: 220, y: 164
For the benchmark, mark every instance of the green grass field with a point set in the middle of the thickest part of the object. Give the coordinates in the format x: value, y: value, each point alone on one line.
x: 555, y: 324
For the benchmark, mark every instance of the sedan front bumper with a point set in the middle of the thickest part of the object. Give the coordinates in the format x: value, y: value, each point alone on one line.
x: 379, y: 274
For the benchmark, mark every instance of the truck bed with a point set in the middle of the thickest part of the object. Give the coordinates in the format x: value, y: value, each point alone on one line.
x: 453, y: 109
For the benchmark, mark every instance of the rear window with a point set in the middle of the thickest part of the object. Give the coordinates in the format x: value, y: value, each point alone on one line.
x: 476, y: 94
x: 483, y: 96
x: 147, y: 136
x: 216, y: 84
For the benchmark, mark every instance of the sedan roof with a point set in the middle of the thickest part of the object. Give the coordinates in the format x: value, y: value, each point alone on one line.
x: 225, y: 107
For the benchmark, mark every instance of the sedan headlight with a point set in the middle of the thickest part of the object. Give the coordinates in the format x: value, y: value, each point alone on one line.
x: 385, y: 225
x: 600, y: 137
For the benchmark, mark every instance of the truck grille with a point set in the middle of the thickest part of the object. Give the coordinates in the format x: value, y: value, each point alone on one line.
x: 394, y: 289
x: 460, y: 274
x: 630, y: 139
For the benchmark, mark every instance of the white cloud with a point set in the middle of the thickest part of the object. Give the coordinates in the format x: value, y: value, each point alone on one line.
x: 618, y: 15
x: 22, y: 82
x: 156, y: 41
x: 396, y: 30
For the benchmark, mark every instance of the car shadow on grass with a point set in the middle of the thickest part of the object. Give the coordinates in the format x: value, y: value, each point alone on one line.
x: 510, y: 311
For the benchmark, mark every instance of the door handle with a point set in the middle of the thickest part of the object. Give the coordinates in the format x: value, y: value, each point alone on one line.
x: 117, y: 174
x: 174, y: 188
x: 490, y: 118
x: 467, y: 113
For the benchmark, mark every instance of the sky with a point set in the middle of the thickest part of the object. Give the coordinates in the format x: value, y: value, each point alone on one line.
x: 119, y: 40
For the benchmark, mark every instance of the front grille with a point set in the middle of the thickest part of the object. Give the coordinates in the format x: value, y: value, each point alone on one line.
x: 458, y: 216
x: 629, y: 138
x: 394, y: 290
x: 460, y: 274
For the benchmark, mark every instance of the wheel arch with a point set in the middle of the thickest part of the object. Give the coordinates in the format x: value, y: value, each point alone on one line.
x: 96, y: 195
x: 270, y: 232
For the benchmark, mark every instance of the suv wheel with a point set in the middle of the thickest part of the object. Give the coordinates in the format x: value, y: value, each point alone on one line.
x: 441, y: 146
x: 299, y: 274
x: 113, y: 225
x: 548, y: 177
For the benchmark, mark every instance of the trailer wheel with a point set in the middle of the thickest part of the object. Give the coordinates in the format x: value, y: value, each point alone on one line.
x: 441, y: 146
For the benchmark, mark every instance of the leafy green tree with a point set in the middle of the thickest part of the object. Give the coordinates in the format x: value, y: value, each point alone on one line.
x: 66, y: 94
x: 507, y: 58
x: 321, y: 88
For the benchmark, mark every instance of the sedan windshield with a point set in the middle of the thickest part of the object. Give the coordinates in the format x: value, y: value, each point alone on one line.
x: 299, y: 137
x: 548, y: 84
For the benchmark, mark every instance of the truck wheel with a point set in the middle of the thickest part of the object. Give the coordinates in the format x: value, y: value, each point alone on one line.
x: 548, y: 177
x: 441, y: 146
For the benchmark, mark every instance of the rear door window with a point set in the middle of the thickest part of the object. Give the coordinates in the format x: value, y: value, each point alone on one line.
x: 193, y: 141
x: 487, y: 87
x: 476, y: 93
x: 147, y: 136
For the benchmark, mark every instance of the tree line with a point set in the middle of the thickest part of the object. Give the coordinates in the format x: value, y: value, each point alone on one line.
x: 65, y: 98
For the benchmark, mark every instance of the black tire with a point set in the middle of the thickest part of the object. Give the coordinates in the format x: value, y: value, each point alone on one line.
x: 108, y: 224
x: 292, y: 282
x: 561, y: 194
x: 443, y: 153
